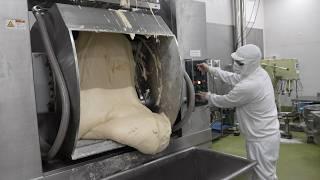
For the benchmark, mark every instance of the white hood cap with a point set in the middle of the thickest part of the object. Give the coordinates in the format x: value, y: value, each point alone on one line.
x: 250, y: 55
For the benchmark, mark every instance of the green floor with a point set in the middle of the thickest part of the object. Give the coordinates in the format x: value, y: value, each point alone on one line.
x: 297, y: 161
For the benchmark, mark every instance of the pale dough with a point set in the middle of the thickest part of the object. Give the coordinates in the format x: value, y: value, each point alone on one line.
x: 110, y: 108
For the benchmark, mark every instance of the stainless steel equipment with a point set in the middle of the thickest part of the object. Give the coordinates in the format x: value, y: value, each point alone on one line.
x: 316, y: 127
x: 191, y: 164
x: 192, y: 38
x: 42, y: 88
x: 18, y: 121
x: 165, y: 72
x: 312, y: 120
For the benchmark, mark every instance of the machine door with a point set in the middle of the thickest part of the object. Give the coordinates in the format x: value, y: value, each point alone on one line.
x: 165, y: 74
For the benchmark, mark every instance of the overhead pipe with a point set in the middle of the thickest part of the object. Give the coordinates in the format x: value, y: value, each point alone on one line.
x: 239, y: 23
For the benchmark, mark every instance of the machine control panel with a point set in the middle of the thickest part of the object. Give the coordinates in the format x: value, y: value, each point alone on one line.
x: 199, y: 79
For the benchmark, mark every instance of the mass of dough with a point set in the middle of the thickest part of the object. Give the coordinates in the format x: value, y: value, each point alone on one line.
x: 110, y: 108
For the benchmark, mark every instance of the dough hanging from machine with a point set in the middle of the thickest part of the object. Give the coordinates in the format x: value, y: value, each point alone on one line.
x: 110, y: 108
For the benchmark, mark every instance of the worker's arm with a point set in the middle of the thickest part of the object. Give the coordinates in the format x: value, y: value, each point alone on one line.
x: 238, y: 96
x: 227, y: 77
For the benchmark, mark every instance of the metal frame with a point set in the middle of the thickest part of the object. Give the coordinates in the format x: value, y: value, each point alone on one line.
x: 138, y: 4
x: 19, y: 149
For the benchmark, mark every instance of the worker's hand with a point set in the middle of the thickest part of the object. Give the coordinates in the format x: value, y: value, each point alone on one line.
x: 203, y: 67
x: 202, y: 96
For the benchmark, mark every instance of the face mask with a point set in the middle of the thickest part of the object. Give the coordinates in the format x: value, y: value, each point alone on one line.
x: 236, y: 68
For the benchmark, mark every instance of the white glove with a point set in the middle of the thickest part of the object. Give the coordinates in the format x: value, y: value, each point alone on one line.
x: 212, y: 70
x: 203, y: 96
x: 203, y: 67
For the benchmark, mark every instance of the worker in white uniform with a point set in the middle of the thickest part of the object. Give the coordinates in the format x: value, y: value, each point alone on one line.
x: 253, y: 97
